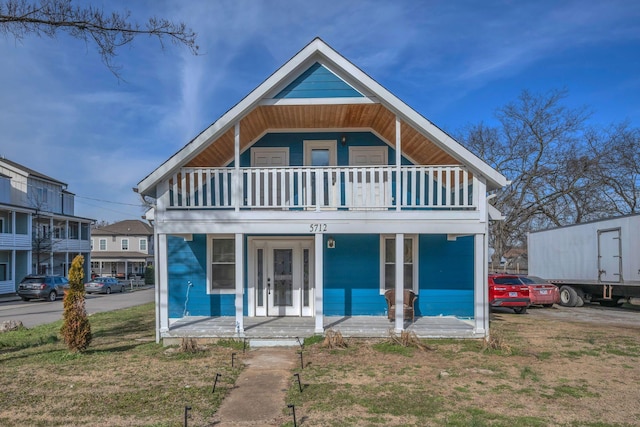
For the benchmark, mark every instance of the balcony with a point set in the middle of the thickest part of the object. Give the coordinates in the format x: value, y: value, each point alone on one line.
x: 324, y: 188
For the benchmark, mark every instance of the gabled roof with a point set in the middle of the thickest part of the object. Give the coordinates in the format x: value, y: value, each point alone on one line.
x: 269, y: 107
x: 129, y: 227
x: 31, y: 172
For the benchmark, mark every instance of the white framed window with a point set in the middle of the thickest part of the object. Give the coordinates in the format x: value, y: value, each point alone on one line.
x: 103, y: 245
x: 388, y: 262
x: 124, y: 244
x: 143, y: 245
x: 222, y: 262
x: 320, y: 152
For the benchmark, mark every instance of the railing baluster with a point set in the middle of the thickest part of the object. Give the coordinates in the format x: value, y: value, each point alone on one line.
x: 324, y: 187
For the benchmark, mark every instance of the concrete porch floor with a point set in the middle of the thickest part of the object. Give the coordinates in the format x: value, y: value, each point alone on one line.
x: 301, y: 327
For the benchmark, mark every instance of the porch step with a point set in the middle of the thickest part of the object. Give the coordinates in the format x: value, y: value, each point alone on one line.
x: 273, y: 342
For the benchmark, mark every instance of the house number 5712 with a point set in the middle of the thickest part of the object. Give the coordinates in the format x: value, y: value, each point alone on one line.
x: 317, y: 228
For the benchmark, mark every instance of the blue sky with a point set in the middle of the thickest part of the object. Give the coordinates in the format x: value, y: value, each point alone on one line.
x: 66, y: 115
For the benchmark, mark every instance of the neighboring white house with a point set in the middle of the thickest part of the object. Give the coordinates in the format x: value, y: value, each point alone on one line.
x: 123, y: 249
x: 39, y: 232
x: 313, y: 196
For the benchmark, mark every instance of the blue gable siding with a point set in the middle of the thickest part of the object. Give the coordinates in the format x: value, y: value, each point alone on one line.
x: 446, y: 276
x: 318, y: 82
x: 187, y: 262
x: 294, y: 141
x: 352, y: 276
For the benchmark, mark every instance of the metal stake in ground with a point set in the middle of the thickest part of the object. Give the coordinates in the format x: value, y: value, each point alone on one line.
x: 299, y: 383
x: 293, y: 412
x: 186, y: 414
x: 301, y: 360
x: 215, y: 382
x: 233, y: 357
x: 300, y: 343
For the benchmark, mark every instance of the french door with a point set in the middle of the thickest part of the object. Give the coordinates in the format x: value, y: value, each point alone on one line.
x: 283, y: 275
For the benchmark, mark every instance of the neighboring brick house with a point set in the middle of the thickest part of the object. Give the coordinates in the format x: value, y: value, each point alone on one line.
x: 39, y: 232
x: 122, y: 250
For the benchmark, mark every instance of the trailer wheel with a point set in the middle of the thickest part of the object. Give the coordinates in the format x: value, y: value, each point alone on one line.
x: 568, y: 296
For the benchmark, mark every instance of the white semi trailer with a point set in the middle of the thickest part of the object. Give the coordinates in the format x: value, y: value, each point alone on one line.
x: 597, y: 261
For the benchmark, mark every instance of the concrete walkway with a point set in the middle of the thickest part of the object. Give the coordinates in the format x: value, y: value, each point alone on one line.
x: 259, y: 396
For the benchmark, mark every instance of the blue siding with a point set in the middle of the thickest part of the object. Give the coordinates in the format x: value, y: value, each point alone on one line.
x: 318, y: 82
x: 446, y: 276
x: 187, y: 262
x: 294, y: 141
x: 352, y: 276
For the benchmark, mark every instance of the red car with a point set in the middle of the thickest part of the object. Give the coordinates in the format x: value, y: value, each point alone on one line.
x: 507, y: 290
x: 541, y: 292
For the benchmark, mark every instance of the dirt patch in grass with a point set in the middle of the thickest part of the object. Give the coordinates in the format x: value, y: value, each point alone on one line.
x: 547, y: 373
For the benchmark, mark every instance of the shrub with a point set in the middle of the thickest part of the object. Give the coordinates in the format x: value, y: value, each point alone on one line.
x: 76, y: 330
x: 149, y: 275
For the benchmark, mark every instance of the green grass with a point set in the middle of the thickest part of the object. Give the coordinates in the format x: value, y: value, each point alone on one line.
x: 124, y: 376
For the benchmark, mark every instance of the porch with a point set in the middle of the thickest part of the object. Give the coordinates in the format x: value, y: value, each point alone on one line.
x: 301, y: 327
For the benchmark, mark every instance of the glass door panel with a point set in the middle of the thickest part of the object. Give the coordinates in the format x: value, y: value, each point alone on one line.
x: 282, y: 277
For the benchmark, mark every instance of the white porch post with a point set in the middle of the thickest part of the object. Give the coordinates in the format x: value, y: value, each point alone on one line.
x: 237, y: 188
x: 239, y: 285
x: 398, y: 194
x: 481, y: 301
x: 319, y: 266
x: 162, y: 283
x: 399, y: 325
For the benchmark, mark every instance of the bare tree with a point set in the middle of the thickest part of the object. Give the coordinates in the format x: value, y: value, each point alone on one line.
x: 539, y: 147
x: 108, y: 31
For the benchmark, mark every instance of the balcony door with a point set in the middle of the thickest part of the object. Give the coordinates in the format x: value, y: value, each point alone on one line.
x: 282, y: 277
x: 265, y: 188
x: 370, y: 187
x: 322, y: 154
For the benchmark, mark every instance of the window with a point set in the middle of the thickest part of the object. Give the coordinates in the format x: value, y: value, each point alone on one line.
x: 388, y: 256
x: 125, y: 244
x: 3, y: 272
x: 223, y: 264
x: 143, y: 245
x: 2, y: 225
x: 103, y: 244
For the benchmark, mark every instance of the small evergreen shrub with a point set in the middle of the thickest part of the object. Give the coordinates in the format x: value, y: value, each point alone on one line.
x: 76, y: 330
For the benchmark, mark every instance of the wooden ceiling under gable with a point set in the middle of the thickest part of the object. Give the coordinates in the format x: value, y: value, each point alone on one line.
x: 322, y: 117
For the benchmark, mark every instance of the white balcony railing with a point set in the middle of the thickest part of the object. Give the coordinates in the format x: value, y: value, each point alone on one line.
x: 352, y: 188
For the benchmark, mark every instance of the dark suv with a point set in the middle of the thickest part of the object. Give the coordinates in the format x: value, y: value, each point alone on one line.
x: 42, y: 287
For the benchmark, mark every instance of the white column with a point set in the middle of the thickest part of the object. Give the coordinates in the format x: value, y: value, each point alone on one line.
x: 237, y: 188
x: 398, y: 163
x: 318, y: 268
x: 162, y: 283
x: 399, y: 325
x: 156, y: 280
x: 239, y: 284
x: 480, y: 299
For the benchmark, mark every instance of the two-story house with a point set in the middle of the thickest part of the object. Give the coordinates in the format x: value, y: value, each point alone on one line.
x: 308, y: 200
x: 39, y: 232
x: 123, y: 249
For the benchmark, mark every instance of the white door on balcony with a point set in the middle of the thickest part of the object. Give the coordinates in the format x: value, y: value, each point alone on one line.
x: 322, y: 154
x: 370, y: 187
x: 265, y: 189
x: 282, y: 277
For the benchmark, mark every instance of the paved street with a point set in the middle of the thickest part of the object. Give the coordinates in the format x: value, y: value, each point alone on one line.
x: 35, y: 312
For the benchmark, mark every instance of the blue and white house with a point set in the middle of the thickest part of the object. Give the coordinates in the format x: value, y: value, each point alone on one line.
x: 312, y: 196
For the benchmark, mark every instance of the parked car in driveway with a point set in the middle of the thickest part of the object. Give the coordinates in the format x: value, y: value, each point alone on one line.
x: 508, y: 291
x: 541, y: 292
x: 42, y: 287
x: 103, y: 285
